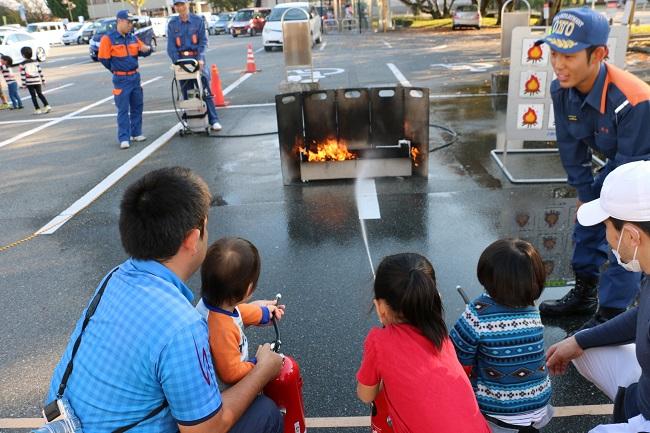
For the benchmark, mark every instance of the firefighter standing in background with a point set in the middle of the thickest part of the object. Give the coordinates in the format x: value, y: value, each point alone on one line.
x: 187, y: 39
x: 118, y: 52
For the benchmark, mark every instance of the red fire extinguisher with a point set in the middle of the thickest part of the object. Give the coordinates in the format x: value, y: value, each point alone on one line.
x: 286, y: 389
x: 380, y: 421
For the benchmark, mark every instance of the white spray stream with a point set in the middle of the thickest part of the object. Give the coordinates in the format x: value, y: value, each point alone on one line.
x: 368, y: 207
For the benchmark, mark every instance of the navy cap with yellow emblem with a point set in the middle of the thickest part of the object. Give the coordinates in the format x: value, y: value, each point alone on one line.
x: 125, y: 15
x: 575, y: 29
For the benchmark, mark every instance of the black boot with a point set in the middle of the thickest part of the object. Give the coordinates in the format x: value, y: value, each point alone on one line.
x: 602, y: 315
x: 582, y: 299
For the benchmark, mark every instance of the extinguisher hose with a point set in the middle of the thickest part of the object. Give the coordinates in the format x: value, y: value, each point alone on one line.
x: 276, y: 346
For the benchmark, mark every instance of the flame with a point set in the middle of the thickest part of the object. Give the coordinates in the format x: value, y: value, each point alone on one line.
x: 532, y: 86
x: 330, y: 150
x: 415, y: 155
x: 535, y: 54
x: 530, y: 118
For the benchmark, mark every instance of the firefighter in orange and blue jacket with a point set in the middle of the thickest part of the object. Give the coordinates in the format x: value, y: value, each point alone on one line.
x: 118, y: 52
x: 187, y: 39
x: 597, y: 107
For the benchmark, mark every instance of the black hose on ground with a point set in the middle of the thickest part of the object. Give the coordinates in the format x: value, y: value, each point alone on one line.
x: 451, y: 132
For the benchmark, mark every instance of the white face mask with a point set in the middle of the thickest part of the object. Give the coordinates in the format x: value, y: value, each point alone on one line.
x: 633, y: 265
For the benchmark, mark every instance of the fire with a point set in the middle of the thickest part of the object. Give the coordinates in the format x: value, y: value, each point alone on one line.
x: 535, y: 54
x: 530, y: 118
x: 330, y: 150
x: 532, y: 86
x: 415, y: 155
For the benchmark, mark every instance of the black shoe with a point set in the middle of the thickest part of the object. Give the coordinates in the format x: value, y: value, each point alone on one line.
x: 581, y: 299
x: 602, y: 315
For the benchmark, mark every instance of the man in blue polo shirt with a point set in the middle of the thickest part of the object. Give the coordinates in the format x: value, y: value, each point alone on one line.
x: 187, y: 39
x: 597, y: 107
x: 146, y: 347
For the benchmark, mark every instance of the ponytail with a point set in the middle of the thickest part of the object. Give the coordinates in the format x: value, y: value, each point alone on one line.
x: 407, y: 282
x: 422, y: 306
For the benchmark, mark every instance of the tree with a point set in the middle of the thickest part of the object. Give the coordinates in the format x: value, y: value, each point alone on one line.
x: 36, y: 10
x: 229, y: 5
x: 431, y: 7
x: 426, y: 6
x: 58, y: 8
x: 137, y: 5
x: 12, y: 16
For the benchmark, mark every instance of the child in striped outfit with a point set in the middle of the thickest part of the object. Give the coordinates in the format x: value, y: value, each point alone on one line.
x: 6, y: 63
x: 228, y: 279
x: 32, y: 78
x: 499, y: 339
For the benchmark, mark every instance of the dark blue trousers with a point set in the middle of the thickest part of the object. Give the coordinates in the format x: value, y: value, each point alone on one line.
x: 129, y: 101
x: 618, y: 287
x: 263, y: 416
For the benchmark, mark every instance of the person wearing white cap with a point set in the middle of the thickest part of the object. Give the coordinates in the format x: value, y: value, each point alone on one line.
x: 615, y: 355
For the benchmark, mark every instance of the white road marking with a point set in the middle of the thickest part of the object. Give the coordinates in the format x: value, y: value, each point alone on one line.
x: 24, y: 98
x: 84, y: 62
x: 61, y: 119
x: 367, y: 203
x: 55, y: 60
x: 343, y: 421
x: 322, y: 46
x: 400, y: 77
x: 439, y: 47
x: 258, y: 50
x: 92, y: 195
x: 387, y: 44
x: 471, y: 67
x: 236, y: 83
x: 105, y: 184
x: 99, y: 116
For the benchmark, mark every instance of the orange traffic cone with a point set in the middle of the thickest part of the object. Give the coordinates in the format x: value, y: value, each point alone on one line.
x: 215, y: 87
x: 250, y: 60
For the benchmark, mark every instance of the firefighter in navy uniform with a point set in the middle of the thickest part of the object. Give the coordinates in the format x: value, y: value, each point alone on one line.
x: 118, y: 52
x: 187, y: 39
x: 601, y: 107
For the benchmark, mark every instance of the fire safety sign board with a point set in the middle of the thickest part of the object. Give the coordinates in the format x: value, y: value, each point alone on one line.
x: 530, y: 114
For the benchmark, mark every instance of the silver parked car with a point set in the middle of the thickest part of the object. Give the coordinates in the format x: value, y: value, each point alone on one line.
x: 466, y: 16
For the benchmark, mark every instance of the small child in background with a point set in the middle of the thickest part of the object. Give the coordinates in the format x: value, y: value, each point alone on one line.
x: 499, y: 339
x: 32, y: 78
x: 3, y: 99
x: 6, y: 63
x: 228, y: 279
x: 411, y: 358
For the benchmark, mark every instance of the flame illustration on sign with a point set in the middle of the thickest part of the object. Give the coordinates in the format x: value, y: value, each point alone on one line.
x: 529, y: 118
x: 532, y: 86
x: 535, y: 54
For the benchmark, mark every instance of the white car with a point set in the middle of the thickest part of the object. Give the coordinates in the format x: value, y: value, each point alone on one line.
x: 272, y: 33
x: 74, y: 33
x: 11, y: 42
x: 50, y: 31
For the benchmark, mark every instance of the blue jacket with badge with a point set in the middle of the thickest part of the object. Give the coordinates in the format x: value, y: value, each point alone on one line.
x: 614, y: 118
x: 186, y: 39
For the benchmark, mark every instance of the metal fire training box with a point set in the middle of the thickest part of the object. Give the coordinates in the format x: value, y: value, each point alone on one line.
x: 351, y: 133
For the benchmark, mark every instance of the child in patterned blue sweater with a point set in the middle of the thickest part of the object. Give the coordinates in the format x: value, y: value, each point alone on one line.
x: 499, y: 339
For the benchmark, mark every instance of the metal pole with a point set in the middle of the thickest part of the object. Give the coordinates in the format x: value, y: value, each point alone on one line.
x: 359, y: 14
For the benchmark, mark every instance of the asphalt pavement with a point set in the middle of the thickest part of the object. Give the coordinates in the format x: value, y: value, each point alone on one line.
x: 308, y: 234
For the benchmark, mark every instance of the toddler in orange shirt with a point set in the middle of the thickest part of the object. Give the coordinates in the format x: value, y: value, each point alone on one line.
x: 229, y: 277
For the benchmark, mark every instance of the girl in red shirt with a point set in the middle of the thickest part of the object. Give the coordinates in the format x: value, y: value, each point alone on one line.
x: 411, y: 359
